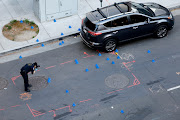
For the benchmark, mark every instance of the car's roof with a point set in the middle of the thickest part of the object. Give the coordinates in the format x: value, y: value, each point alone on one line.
x: 117, y: 9
x: 120, y: 16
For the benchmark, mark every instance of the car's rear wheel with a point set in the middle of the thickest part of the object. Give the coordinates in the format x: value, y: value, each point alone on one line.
x: 110, y: 45
x: 161, y: 31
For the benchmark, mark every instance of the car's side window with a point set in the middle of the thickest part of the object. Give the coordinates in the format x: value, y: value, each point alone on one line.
x: 117, y: 22
x: 120, y: 22
x: 137, y: 18
x: 101, y: 27
x: 108, y: 24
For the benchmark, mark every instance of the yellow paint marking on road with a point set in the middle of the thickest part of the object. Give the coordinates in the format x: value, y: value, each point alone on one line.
x: 178, y: 73
x: 25, y: 96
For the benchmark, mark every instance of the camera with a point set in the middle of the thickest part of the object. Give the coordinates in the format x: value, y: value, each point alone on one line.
x: 38, y: 66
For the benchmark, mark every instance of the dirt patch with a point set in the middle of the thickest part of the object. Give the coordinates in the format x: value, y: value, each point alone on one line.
x: 25, y: 35
x: 20, y: 31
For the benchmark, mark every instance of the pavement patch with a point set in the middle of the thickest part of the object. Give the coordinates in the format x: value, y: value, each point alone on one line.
x: 62, y: 115
x: 138, y: 114
x: 165, y: 69
x: 108, y: 98
x: 156, y: 81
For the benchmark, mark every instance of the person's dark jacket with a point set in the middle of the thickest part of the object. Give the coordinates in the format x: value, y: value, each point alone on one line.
x: 28, y: 68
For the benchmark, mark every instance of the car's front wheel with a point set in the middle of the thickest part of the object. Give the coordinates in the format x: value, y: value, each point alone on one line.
x: 110, y: 45
x: 161, y: 31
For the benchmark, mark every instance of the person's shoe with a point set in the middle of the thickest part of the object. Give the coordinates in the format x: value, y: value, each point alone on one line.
x: 30, y: 85
x: 27, y: 90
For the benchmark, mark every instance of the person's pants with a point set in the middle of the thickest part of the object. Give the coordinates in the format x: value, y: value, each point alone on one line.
x: 25, y: 77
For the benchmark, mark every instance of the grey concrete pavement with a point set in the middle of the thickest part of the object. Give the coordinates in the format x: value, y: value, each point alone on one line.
x: 21, y: 9
x: 145, y: 97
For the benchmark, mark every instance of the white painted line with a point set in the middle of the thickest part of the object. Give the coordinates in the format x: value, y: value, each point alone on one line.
x: 173, y: 88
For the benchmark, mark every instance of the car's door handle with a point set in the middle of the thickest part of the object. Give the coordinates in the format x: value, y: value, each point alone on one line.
x: 115, y: 32
x: 135, y: 27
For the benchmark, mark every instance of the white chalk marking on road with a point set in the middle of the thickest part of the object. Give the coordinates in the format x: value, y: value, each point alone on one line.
x: 173, y: 88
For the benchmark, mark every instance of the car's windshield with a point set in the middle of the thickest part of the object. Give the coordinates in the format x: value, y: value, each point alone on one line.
x: 158, y: 10
x: 141, y: 9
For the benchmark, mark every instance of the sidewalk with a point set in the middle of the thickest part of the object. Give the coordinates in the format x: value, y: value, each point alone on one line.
x: 21, y: 9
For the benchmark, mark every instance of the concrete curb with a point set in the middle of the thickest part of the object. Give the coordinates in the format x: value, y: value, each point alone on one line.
x: 39, y: 43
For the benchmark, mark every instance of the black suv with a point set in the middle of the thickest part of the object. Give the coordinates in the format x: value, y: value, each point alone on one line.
x: 104, y: 27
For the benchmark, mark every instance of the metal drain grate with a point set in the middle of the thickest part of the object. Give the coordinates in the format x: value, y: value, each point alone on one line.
x: 38, y: 82
x: 3, y: 83
x: 117, y: 81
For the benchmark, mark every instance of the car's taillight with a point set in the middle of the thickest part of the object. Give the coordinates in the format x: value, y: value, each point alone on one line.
x: 83, y: 20
x: 94, y: 33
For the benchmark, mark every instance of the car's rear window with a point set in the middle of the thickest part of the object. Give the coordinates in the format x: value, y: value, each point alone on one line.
x: 89, y: 24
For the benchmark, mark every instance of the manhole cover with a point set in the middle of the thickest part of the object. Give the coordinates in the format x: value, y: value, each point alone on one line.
x: 38, y: 82
x: 117, y: 81
x: 3, y: 83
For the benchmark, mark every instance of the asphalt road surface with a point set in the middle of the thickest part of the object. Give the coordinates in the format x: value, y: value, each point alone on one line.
x: 137, y: 85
